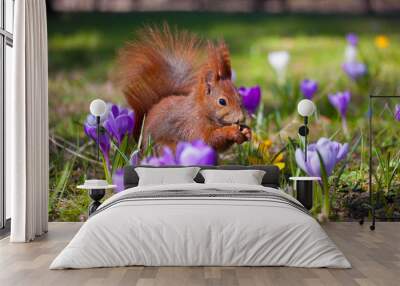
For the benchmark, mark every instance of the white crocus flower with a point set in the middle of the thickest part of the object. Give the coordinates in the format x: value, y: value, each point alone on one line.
x: 279, y: 61
x: 233, y: 75
x: 350, y: 54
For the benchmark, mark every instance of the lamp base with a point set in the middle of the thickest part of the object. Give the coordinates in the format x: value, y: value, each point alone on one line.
x: 96, y: 195
x: 304, y: 190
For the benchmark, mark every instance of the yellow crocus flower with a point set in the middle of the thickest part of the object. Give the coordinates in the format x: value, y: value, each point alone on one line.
x: 279, y: 158
x: 382, y: 41
x: 280, y: 165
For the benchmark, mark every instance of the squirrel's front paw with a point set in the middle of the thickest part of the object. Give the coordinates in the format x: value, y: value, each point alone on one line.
x: 222, y: 138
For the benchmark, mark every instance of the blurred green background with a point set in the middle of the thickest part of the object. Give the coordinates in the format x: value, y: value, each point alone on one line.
x: 83, y: 49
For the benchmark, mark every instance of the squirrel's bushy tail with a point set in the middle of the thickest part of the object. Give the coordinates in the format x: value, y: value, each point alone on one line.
x: 159, y: 63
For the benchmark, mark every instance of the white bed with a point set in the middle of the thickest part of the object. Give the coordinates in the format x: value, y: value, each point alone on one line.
x: 268, y: 228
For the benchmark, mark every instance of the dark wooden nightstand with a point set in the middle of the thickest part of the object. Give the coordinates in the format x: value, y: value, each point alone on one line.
x: 304, y: 190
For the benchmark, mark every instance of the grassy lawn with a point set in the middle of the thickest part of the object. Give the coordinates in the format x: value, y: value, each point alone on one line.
x: 83, y: 48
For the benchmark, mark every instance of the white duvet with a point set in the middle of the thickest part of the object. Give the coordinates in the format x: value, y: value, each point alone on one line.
x: 200, y: 231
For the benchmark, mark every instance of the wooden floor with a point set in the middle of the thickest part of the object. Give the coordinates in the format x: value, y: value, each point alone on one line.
x: 375, y: 257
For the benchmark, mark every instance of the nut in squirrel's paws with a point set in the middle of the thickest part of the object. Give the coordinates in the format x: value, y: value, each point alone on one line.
x: 242, y: 133
x: 246, y: 132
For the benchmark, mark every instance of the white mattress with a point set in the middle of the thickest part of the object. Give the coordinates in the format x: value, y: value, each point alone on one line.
x: 200, y: 231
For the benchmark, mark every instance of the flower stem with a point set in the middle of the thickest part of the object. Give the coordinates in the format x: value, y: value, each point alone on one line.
x: 325, y: 189
x: 345, y: 127
x: 326, y: 204
x: 281, y: 75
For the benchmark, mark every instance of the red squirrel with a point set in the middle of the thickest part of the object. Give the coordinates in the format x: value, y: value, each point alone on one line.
x: 184, y: 88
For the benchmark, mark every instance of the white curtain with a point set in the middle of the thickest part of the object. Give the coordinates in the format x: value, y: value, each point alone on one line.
x: 27, y: 124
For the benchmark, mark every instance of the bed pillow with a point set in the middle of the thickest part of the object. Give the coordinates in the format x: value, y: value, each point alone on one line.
x: 248, y: 177
x: 166, y: 176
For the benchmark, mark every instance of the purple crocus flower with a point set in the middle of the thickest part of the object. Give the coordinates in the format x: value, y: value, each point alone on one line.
x: 195, y: 153
x: 354, y: 69
x: 118, y: 180
x: 397, y: 112
x: 308, y: 87
x: 135, y: 158
x: 90, y: 129
x: 352, y: 39
x: 331, y: 153
x: 187, y: 153
x: 340, y: 101
x: 120, y: 122
x: 251, y: 98
x: 167, y: 158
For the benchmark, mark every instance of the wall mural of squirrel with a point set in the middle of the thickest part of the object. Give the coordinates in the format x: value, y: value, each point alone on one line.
x: 184, y: 87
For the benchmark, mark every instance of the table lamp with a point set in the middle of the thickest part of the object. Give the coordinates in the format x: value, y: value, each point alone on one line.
x: 304, y: 185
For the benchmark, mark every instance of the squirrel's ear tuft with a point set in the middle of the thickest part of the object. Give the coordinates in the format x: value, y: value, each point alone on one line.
x: 209, y: 80
x: 219, y: 61
x: 225, y: 71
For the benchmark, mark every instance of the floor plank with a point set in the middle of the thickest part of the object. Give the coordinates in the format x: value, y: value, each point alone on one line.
x: 375, y: 257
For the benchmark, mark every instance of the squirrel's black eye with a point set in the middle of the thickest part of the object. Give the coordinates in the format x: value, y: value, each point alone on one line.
x: 222, y: 101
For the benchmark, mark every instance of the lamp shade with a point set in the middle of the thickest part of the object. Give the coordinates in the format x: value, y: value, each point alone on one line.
x: 98, y: 107
x: 306, y: 107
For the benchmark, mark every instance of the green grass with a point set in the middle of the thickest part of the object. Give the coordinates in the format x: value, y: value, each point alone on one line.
x: 83, y: 49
